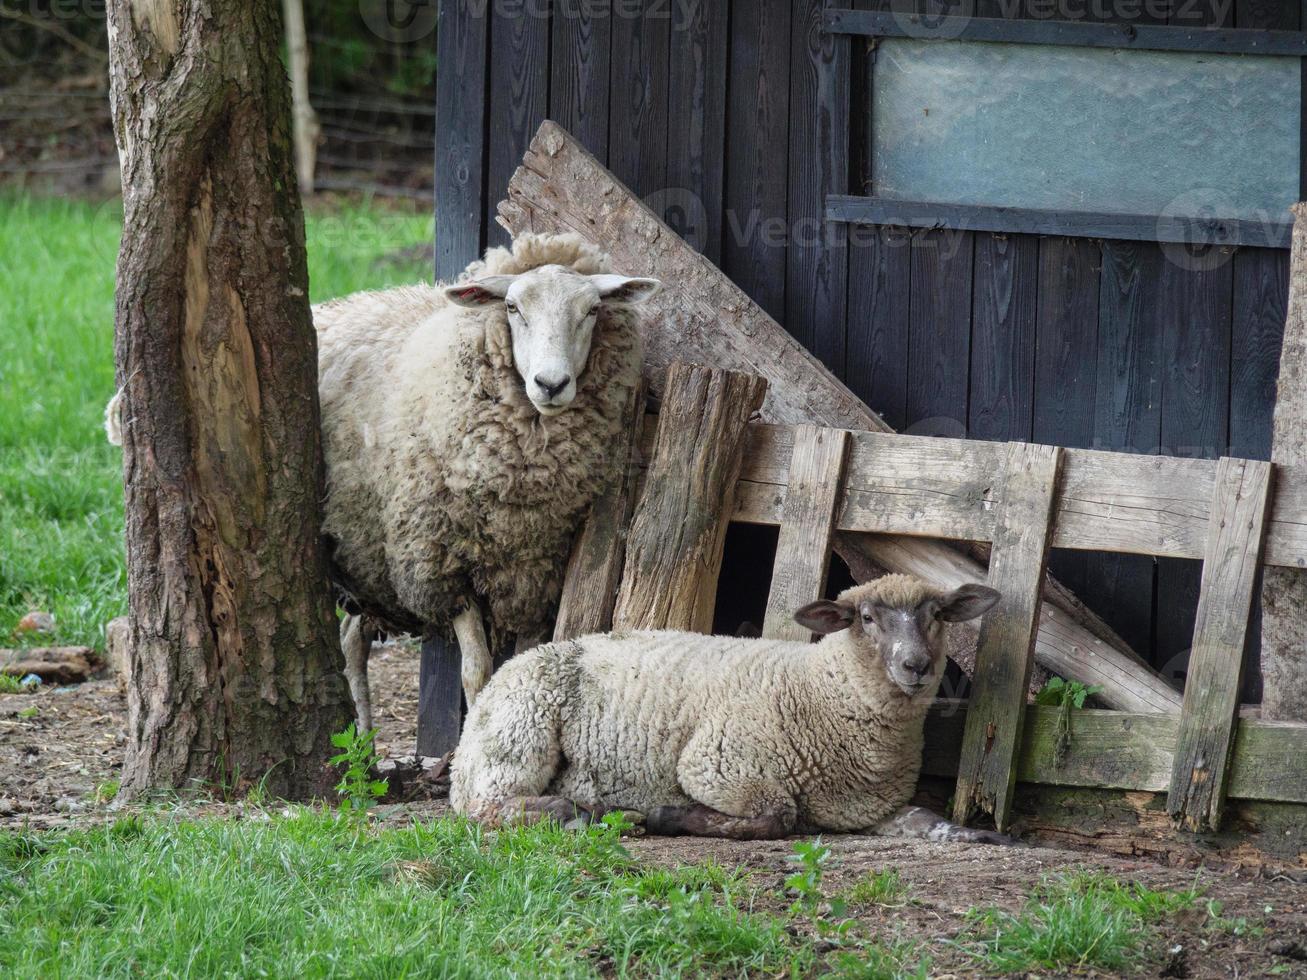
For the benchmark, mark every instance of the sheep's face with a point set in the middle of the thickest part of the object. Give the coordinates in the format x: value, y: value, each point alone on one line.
x: 551, y: 316
x: 908, y: 640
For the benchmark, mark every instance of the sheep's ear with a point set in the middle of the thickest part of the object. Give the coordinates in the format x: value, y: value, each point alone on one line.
x: 625, y: 290
x: 967, y: 602
x: 480, y: 292
x: 825, y: 616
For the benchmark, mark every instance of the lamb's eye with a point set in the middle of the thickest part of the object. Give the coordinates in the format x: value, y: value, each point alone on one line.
x: 512, y: 309
x: 594, y: 310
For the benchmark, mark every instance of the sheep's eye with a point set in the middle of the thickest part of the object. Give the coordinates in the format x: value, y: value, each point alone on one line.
x: 512, y: 309
x: 594, y: 310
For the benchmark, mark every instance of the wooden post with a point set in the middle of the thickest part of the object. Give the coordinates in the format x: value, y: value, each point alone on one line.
x: 807, y: 528
x: 440, y: 697
x: 1211, y: 690
x: 701, y: 315
x: 987, y: 771
x: 674, y: 553
x: 1284, y: 590
x: 594, y: 569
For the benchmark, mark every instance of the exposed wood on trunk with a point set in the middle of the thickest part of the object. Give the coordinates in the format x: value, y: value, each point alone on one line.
x: 1211, y: 690
x: 234, y: 659
x: 594, y: 569
x: 702, y: 316
x: 813, y: 493
x: 305, y: 120
x: 1005, y: 655
x: 1284, y: 591
x: 674, y: 553
x: 54, y: 665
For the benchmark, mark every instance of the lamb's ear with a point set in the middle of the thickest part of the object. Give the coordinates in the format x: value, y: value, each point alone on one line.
x: 825, y: 616
x: 967, y: 602
x: 480, y: 292
x: 625, y: 290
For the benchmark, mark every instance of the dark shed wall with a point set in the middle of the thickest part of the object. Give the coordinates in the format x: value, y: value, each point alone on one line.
x: 730, y: 119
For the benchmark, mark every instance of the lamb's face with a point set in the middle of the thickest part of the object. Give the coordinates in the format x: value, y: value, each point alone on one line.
x: 907, y: 638
x: 551, y: 315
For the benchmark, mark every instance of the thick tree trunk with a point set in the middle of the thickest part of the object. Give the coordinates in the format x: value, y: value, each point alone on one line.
x: 234, y: 660
x: 306, y: 127
x: 1284, y: 590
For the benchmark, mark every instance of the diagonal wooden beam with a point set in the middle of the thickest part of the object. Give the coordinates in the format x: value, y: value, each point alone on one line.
x: 701, y: 316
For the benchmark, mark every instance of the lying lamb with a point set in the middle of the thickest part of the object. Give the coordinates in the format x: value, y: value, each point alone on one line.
x: 720, y: 736
x: 466, y: 430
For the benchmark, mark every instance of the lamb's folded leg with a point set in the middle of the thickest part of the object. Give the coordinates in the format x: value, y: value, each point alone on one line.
x: 478, y: 664
x: 698, y: 820
x: 356, y: 635
x: 915, y: 821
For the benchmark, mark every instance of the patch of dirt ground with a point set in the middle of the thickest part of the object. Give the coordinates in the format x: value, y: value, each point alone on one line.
x: 53, y: 759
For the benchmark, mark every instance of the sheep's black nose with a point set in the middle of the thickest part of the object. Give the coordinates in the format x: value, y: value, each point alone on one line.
x: 552, y: 388
x: 919, y: 666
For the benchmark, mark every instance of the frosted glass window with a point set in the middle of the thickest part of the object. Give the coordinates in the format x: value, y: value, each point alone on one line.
x: 1086, y: 129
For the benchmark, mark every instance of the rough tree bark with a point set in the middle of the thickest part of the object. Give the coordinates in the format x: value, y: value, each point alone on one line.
x: 306, y: 127
x: 234, y: 661
x: 1284, y: 590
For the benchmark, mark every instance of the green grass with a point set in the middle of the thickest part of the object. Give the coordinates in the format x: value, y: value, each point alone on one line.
x: 61, y: 521
x: 878, y: 888
x: 1076, y: 921
x: 309, y: 895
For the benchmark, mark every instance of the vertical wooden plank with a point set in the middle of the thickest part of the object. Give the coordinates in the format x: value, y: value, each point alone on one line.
x: 876, y: 365
x: 674, y: 551
x: 1066, y: 369
x: 1005, y: 654
x: 1003, y: 309
x: 817, y: 263
x: 1211, y: 693
x: 1194, y: 311
x: 461, y: 37
x: 696, y: 125
x: 1127, y: 418
x: 518, y: 99
x: 440, y: 697
x: 807, y: 528
x: 754, y: 227
x: 594, y: 569
x: 581, y: 42
x: 939, y: 333
x: 637, y: 108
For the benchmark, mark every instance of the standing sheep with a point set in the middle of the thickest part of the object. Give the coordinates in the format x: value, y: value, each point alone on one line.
x: 466, y: 430
x: 721, y: 736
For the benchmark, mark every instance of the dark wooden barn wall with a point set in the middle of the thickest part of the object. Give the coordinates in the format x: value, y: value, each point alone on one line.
x: 731, y: 119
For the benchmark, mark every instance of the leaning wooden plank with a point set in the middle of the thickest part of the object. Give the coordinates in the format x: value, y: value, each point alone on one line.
x: 440, y: 698
x: 987, y: 772
x: 807, y: 527
x: 594, y: 569
x: 1284, y: 591
x: 702, y: 316
x: 674, y: 552
x: 1211, y: 690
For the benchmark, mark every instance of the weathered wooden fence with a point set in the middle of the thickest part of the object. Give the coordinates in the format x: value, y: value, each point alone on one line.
x: 1232, y: 514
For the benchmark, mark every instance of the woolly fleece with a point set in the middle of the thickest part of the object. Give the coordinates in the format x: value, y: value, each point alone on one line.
x: 443, y: 482
x: 745, y: 726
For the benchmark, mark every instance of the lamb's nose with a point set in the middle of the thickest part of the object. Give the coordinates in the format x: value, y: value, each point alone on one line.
x: 552, y: 388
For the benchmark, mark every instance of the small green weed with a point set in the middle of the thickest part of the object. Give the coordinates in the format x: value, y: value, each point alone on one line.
x: 358, y: 790
x: 901, y: 960
x: 31, y: 711
x: 9, y: 684
x: 881, y: 888
x: 1238, y: 926
x: 1064, y: 694
x: 106, y: 791
x: 825, y: 912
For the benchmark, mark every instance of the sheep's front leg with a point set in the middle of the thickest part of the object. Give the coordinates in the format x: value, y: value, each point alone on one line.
x: 697, y: 820
x: 916, y: 821
x: 477, y: 661
x: 356, y: 636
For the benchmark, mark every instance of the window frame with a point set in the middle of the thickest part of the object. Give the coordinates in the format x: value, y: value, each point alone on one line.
x: 870, y: 209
